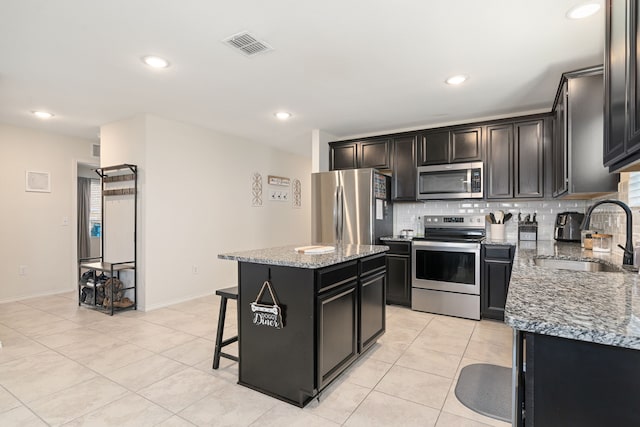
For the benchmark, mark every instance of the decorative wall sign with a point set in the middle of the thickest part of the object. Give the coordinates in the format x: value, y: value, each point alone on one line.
x: 256, y: 189
x: 266, y: 314
x: 38, y: 181
x: 278, y: 180
x: 297, y: 193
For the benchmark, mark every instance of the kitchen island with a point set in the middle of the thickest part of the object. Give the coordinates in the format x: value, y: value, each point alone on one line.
x: 332, y: 309
x: 580, y: 334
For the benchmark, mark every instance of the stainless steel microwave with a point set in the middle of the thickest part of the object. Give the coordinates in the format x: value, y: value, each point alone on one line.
x: 450, y: 181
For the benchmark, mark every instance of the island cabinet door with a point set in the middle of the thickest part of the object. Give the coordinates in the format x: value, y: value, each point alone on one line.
x: 278, y: 361
x: 373, y: 281
x: 337, y: 311
x: 579, y: 383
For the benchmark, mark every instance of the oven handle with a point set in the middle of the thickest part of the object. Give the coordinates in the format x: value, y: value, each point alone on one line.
x: 446, y: 245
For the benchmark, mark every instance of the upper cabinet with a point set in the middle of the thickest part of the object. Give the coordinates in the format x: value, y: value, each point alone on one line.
x: 397, y: 154
x: 374, y: 154
x: 578, y: 119
x: 515, y: 159
x: 360, y: 154
x: 450, y: 146
x: 343, y: 155
x: 403, y: 165
x: 622, y: 91
x: 528, y: 162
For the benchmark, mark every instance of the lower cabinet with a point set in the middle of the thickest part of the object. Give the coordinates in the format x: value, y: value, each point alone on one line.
x: 497, y: 261
x: 399, y: 273
x: 337, y: 331
x: 372, y: 310
x: 578, y: 383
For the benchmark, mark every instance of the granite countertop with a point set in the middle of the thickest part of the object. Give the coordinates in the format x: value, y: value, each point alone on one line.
x: 286, y: 256
x: 599, y: 307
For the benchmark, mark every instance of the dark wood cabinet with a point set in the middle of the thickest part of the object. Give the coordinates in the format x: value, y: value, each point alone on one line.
x: 403, y: 166
x: 330, y: 315
x: 434, y: 148
x: 343, y: 156
x: 515, y: 159
x: 622, y: 90
x: 497, y: 261
x: 528, y: 159
x: 450, y: 146
x: 399, y: 273
x: 337, y: 331
x: 372, y: 310
x: 396, y: 154
x: 499, y: 168
x: 351, y: 313
x: 374, y: 153
x: 577, y: 383
x: 559, y: 161
x: 466, y: 145
x: 578, y: 137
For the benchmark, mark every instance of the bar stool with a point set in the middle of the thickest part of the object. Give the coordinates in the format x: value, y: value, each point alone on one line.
x: 225, y: 294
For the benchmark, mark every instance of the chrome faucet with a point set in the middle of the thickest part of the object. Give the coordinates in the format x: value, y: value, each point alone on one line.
x: 628, y: 249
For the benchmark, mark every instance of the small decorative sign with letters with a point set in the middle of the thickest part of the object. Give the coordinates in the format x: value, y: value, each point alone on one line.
x: 266, y: 314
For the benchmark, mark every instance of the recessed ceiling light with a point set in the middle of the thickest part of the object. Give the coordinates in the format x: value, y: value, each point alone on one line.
x: 583, y: 10
x: 155, y: 62
x: 42, y: 114
x: 283, y: 115
x: 456, y: 80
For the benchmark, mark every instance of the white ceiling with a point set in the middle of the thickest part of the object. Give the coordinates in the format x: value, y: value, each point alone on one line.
x: 347, y: 67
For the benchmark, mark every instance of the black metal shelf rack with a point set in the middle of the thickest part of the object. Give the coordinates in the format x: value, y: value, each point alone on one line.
x: 127, y: 174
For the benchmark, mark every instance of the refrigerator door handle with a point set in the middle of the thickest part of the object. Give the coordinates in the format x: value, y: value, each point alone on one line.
x: 339, y: 214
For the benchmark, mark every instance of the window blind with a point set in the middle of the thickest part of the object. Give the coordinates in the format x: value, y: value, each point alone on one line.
x: 634, y: 189
x: 95, y: 210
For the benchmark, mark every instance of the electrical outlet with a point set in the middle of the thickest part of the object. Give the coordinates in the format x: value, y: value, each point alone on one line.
x: 22, y: 270
x: 65, y: 220
x: 194, y: 269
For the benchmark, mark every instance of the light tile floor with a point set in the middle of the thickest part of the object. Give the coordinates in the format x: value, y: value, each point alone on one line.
x: 65, y: 365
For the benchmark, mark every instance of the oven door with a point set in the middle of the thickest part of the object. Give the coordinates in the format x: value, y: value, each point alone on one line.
x: 446, y: 266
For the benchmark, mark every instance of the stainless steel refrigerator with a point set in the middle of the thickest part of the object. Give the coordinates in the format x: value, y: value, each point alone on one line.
x: 351, y: 207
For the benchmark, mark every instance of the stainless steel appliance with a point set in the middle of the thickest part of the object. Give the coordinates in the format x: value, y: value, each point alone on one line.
x: 351, y: 207
x: 568, y: 226
x: 450, y: 181
x: 446, y: 266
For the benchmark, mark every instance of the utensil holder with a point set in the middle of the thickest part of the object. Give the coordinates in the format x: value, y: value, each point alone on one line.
x: 497, y: 231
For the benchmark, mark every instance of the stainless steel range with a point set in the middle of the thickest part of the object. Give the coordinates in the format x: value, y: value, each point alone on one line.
x: 446, y: 266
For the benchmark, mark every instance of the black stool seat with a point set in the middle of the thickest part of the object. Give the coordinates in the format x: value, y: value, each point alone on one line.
x: 229, y: 293
x: 225, y: 294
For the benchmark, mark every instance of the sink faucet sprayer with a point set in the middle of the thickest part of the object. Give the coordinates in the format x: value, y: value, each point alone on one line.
x: 628, y: 249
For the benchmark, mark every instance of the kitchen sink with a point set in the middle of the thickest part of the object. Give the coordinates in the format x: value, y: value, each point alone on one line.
x: 566, y: 264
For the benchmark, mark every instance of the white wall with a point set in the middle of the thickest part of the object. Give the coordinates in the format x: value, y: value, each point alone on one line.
x: 320, y: 150
x: 31, y: 224
x: 195, y: 192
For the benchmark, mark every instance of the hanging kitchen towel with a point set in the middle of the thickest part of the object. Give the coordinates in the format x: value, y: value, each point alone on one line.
x: 266, y: 314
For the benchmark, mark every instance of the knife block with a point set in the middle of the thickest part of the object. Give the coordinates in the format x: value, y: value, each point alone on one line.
x: 528, y: 231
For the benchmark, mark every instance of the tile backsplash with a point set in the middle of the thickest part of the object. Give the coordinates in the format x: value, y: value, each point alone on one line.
x: 606, y: 218
x: 406, y: 214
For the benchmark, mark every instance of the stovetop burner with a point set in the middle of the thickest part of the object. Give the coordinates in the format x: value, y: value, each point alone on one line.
x: 460, y: 228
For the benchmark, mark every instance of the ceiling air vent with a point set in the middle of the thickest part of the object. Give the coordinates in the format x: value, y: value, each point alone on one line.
x: 247, y: 44
x: 95, y: 150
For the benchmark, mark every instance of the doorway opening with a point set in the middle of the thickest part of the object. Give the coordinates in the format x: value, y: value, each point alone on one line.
x: 89, y: 212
